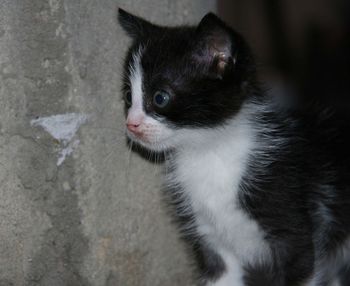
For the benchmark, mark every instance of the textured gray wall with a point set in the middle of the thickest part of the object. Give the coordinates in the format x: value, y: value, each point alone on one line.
x: 97, y: 219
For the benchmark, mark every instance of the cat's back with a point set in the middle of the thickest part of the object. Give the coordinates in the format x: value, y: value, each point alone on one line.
x: 298, y: 184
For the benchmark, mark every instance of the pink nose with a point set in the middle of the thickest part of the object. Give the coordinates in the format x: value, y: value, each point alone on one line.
x: 133, y: 127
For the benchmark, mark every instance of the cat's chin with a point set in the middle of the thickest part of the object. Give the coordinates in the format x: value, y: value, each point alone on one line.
x: 156, y: 148
x: 149, y: 146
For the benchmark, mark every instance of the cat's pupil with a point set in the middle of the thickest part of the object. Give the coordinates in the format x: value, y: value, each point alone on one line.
x: 161, y: 99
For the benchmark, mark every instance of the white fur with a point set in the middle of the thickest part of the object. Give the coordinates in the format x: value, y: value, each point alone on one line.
x: 209, y: 166
x: 135, y: 70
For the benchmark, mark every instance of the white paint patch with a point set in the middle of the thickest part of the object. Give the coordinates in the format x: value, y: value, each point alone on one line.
x: 66, y: 151
x: 62, y: 127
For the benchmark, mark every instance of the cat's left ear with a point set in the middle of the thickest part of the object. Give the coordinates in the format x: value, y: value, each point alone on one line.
x: 215, y: 47
x: 136, y: 27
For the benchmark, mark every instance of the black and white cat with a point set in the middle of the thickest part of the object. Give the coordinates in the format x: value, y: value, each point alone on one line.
x: 261, y: 190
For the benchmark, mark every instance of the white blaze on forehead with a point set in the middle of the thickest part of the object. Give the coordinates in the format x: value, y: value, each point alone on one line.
x: 154, y: 130
x: 136, y: 109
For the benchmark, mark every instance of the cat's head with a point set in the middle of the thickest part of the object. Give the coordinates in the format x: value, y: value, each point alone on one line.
x: 180, y: 81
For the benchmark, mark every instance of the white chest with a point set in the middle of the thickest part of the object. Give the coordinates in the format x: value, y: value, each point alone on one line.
x: 210, y: 178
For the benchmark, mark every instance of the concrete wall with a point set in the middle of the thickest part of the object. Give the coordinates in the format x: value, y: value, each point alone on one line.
x: 76, y: 207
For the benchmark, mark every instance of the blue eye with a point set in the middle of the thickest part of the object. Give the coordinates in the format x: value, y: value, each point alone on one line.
x: 128, y: 97
x: 161, y: 99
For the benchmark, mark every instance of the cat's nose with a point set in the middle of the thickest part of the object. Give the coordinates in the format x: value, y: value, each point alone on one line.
x: 134, y: 122
x: 133, y: 127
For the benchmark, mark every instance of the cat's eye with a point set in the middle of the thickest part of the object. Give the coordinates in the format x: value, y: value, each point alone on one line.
x: 128, y: 98
x: 161, y: 99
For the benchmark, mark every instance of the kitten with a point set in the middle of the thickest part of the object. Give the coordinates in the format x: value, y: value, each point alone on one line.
x: 260, y: 189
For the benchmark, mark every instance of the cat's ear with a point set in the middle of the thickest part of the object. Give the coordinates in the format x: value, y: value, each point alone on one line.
x: 134, y: 26
x: 215, y: 47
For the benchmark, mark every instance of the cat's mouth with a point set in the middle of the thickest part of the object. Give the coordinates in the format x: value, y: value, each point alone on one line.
x: 146, y: 140
x: 139, y: 137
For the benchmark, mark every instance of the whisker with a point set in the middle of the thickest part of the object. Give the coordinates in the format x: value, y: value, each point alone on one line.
x: 117, y: 140
x: 156, y: 162
x: 127, y: 169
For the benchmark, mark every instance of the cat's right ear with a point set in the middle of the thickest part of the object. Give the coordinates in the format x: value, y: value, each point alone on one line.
x: 134, y: 26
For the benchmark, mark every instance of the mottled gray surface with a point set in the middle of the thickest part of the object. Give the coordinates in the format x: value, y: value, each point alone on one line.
x: 97, y: 219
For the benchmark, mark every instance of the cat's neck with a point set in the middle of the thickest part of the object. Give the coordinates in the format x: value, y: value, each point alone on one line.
x: 231, y: 143
x: 233, y: 130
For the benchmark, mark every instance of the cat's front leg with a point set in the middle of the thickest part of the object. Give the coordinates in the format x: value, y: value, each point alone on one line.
x: 238, y: 274
x: 232, y: 277
x: 344, y: 278
x: 232, y: 274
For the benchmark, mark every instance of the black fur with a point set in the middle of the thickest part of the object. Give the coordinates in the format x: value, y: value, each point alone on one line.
x: 345, y: 276
x: 306, y: 172
x: 178, y: 60
x: 297, y: 184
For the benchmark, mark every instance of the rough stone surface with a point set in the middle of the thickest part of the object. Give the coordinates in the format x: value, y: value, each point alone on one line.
x: 97, y: 219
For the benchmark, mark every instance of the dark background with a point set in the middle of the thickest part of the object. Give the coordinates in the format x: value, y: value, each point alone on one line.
x: 301, y: 46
